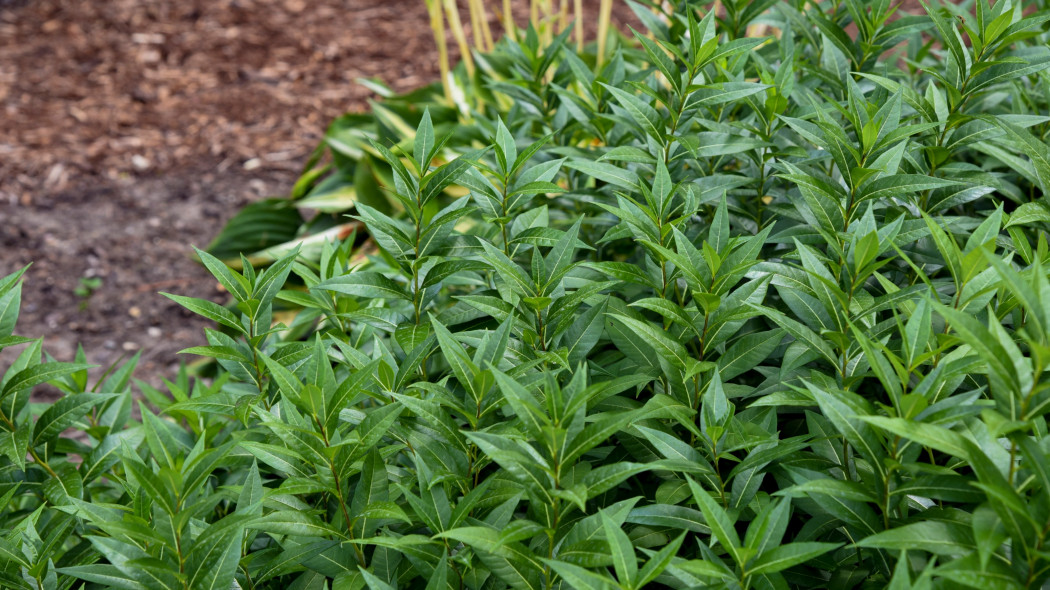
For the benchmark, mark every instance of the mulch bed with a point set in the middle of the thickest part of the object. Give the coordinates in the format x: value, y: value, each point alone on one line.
x: 133, y: 128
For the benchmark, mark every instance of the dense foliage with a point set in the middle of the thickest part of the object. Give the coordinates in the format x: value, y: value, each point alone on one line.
x: 709, y: 309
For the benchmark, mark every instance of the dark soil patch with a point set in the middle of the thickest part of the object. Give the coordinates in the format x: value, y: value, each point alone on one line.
x: 134, y: 128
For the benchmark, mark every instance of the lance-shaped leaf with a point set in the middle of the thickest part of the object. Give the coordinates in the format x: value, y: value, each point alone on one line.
x: 801, y: 333
x: 64, y: 413
x: 371, y: 285
x: 785, y: 556
x: 670, y: 350
x: 847, y: 411
x: 721, y: 525
x: 41, y: 373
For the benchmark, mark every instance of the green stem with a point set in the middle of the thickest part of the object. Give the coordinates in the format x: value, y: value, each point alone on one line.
x: 503, y: 217
x: 358, y: 552
x: 32, y: 452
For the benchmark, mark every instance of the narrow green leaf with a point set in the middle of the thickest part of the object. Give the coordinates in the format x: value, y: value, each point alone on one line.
x: 64, y: 413
x: 717, y: 518
x: 785, y: 556
x: 42, y: 373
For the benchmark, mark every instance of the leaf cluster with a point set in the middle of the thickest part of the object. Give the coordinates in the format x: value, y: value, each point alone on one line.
x: 757, y: 298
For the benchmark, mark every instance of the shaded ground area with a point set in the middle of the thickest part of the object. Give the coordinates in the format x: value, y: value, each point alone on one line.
x: 133, y: 128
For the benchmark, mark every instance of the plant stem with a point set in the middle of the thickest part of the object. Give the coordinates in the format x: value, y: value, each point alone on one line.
x: 510, y: 29
x: 563, y: 15
x: 437, y: 24
x: 475, y: 26
x: 604, y: 15
x: 452, y: 14
x: 577, y: 8
x: 486, y: 30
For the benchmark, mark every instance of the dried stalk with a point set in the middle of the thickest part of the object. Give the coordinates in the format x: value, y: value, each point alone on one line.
x: 549, y: 21
x: 475, y: 26
x: 509, y: 28
x: 483, y: 18
x: 437, y: 24
x: 452, y: 14
x: 604, y: 16
x: 577, y: 7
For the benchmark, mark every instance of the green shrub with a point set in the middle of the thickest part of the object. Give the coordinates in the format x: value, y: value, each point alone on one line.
x: 723, y: 312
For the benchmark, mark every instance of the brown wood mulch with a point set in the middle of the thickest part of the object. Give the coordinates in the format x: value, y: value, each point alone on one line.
x: 129, y: 87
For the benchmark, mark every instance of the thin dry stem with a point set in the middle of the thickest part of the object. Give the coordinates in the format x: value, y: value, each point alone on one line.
x: 486, y: 30
x: 577, y: 7
x: 437, y: 24
x: 510, y: 29
x: 604, y: 16
x: 475, y: 26
x: 550, y: 21
x: 452, y: 14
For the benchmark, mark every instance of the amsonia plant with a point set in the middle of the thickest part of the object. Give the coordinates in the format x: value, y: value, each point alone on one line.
x: 756, y: 297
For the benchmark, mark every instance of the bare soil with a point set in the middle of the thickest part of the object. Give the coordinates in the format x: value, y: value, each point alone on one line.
x: 130, y: 129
